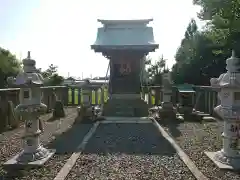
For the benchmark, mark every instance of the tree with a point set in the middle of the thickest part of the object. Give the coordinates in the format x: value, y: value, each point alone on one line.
x: 224, y: 22
x: 200, y: 55
x: 54, y: 80
x: 71, y: 78
x: 204, y: 53
x: 9, y: 66
x: 156, y: 69
x: 52, y: 69
x: 195, y: 61
x: 51, y: 76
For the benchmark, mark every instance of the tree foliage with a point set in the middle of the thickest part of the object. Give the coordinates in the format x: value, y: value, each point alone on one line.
x: 51, y: 76
x: 9, y: 66
x: 202, y: 54
x: 156, y: 69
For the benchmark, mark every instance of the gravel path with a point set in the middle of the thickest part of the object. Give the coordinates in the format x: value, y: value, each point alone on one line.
x: 195, y: 138
x: 129, y: 151
x: 53, y: 137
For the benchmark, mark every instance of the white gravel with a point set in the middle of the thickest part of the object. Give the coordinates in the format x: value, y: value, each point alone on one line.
x: 12, y: 144
x: 195, y: 138
x: 129, y: 151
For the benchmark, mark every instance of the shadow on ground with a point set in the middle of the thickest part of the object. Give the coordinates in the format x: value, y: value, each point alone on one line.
x: 172, y: 125
x: 128, y: 139
x: 64, y: 143
x: 51, y: 119
x: 68, y: 141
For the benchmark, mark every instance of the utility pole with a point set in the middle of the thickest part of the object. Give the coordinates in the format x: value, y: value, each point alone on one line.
x: 20, y: 56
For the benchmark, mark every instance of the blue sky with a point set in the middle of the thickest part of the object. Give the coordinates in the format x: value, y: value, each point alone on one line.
x: 61, y: 31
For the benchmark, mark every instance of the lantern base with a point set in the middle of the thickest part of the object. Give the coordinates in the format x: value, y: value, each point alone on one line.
x: 23, y: 159
x: 223, y: 162
x: 167, y: 111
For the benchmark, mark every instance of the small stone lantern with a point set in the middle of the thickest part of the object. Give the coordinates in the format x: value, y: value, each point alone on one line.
x: 167, y: 88
x: 85, y: 110
x: 30, y: 108
x: 167, y: 110
x: 229, y: 110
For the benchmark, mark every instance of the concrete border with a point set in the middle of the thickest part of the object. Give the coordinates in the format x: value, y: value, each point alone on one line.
x: 126, y: 118
x: 62, y: 174
x: 191, y: 166
x: 135, y: 120
x: 125, y: 122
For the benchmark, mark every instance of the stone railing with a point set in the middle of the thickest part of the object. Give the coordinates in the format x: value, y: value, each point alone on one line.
x: 204, y: 100
x: 49, y: 95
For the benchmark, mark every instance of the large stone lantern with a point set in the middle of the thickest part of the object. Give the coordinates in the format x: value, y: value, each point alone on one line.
x: 30, y: 108
x: 229, y: 110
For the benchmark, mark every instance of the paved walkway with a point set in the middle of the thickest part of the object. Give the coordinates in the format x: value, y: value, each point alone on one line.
x: 128, y: 150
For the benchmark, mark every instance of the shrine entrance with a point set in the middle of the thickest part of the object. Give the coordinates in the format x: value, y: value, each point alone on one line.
x: 125, y: 43
x: 125, y: 72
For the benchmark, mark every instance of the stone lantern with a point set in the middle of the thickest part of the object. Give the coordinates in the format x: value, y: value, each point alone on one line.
x: 86, y: 109
x: 229, y: 110
x: 30, y: 108
x: 167, y: 88
x: 87, y: 95
x: 167, y: 110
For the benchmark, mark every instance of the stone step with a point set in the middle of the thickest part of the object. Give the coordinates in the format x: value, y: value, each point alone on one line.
x: 124, y: 108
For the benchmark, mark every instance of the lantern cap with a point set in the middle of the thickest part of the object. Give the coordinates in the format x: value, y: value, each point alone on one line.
x: 29, y: 77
